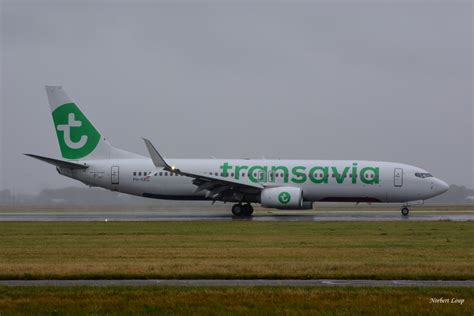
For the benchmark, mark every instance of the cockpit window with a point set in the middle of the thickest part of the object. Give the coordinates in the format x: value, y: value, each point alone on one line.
x: 423, y: 175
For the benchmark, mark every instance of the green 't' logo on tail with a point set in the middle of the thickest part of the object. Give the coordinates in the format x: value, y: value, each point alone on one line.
x: 76, y: 135
x: 284, y: 197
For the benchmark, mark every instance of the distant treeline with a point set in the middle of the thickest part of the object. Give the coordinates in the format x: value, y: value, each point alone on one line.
x: 76, y: 196
x: 100, y: 197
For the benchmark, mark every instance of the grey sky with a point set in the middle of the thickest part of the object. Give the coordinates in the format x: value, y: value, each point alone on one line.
x: 359, y: 80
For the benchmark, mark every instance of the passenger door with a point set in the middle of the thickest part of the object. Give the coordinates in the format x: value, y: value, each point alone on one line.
x: 398, y: 177
x: 114, y: 175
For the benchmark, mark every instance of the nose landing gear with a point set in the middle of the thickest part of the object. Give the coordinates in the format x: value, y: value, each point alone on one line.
x: 242, y: 210
x: 405, y: 206
x: 405, y: 211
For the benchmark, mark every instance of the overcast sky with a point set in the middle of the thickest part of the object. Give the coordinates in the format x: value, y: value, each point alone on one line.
x: 346, y: 80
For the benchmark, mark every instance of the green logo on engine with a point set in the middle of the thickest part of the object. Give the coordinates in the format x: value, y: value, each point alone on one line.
x: 77, y: 137
x: 284, y: 197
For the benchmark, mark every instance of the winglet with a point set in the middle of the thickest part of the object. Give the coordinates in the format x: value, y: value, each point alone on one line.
x: 155, y: 156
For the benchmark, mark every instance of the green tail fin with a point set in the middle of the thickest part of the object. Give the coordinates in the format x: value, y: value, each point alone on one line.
x: 77, y: 136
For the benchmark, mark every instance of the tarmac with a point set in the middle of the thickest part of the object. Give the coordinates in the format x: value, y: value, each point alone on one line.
x: 254, y: 282
x: 213, y: 215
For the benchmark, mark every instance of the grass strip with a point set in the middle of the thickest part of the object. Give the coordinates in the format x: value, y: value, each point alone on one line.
x: 240, y: 249
x: 149, y: 300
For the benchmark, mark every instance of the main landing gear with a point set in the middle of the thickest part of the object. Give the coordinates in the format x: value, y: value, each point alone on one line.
x: 242, y: 210
x: 405, y: 211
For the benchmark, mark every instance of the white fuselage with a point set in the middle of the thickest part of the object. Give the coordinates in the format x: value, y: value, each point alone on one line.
x: 319, y: 180
x: 283, y: 184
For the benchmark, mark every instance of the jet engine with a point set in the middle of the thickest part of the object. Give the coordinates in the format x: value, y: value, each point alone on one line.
x: 284, y: 198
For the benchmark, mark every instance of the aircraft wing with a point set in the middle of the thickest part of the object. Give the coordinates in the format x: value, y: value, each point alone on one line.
x: 216, y: 187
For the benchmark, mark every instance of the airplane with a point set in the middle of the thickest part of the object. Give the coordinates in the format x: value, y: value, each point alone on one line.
x: 281, y: 184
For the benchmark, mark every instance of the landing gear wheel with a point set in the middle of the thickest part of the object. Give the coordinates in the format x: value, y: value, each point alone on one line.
x: 238, y: 209
x: 242, y: 210
x: 248, y: 210
x: 405, y: 211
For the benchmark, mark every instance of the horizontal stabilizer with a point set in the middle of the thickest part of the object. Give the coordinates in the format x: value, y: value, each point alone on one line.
x: 59, y: 163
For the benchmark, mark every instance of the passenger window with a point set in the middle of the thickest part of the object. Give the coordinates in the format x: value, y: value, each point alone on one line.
x: 134, y: 173
x: 140, y: 173
x: 243, y: 175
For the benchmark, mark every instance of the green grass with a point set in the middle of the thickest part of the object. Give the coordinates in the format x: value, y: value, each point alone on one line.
x: 239, y: 249
x: 231, y: 300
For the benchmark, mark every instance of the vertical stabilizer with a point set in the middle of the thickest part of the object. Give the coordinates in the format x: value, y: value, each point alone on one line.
x: 78, y: 138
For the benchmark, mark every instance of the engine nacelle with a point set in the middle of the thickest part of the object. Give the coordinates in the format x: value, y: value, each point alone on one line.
x: 284, y: 198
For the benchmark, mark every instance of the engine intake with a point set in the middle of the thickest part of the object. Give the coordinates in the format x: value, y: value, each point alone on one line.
x: 284, y: 198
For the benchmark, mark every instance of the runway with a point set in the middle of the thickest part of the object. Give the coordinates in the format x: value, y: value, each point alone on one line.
x: 256, y: 282
x: 211, y: 215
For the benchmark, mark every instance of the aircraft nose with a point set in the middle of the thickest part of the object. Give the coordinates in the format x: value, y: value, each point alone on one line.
x: 441, y: 186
